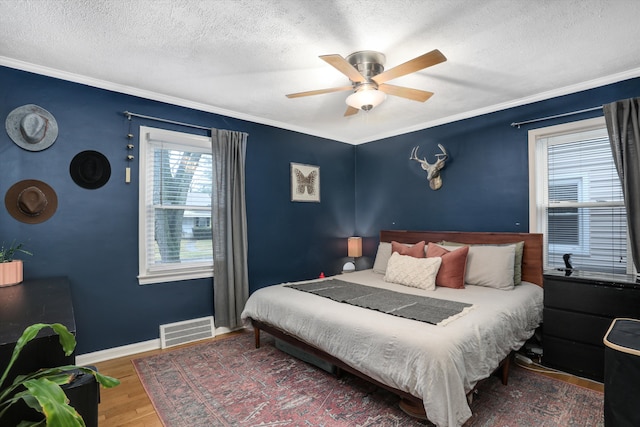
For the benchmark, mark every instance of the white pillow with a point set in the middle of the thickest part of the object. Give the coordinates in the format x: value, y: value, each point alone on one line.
x: 489, y: 266
x: 415, y: 272
x: 382, y: 258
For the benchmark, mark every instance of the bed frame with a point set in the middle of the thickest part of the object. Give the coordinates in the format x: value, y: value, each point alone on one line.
x: 412, y: 405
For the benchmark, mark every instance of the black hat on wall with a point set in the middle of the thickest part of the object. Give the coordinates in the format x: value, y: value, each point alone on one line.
x: 90, y: 169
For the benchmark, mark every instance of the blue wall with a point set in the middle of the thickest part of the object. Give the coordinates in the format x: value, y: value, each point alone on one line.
x: 485, y: 181
x: 93, y: 237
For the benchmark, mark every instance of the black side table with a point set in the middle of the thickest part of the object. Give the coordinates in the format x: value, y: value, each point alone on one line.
x: 622, y: 374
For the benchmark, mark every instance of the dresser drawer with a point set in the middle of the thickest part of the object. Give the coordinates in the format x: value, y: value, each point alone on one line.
x: 576, y: 358
x: 600, y: 300
x: 581, y: 327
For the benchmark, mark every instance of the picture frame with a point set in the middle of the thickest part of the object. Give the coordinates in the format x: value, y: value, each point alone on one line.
x: 305, y: 183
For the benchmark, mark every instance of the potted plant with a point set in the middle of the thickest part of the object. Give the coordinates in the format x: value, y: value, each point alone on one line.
x: 10, y: 269
x: 41, y: 390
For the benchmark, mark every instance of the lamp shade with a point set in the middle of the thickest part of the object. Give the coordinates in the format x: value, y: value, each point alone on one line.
x: 354, y: 247
x: 366, y: 99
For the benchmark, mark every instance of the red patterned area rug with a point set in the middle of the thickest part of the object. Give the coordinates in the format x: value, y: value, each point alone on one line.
x: 231, y: 383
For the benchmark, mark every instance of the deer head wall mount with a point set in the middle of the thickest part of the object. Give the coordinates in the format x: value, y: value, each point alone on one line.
x: 433, y: 169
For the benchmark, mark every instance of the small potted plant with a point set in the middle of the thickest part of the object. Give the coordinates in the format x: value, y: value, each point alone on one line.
x: 41, y: 390
x: 11, y: 269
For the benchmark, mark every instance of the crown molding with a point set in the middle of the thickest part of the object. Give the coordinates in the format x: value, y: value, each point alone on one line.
x: 129, y: 90
x: 154, y: 96
x: 543, y: 96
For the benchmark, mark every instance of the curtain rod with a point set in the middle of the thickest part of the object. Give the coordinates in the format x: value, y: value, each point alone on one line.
x: 158, y: 119
x: 517, y: 124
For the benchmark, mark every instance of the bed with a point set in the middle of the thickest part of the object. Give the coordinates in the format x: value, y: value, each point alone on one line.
x: 433, y: 367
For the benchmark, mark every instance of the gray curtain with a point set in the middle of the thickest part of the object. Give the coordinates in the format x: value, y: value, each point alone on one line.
x: 229, y: 225
x: 623, y: 126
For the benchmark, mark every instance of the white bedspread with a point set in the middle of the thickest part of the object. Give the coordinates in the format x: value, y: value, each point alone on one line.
x: 438, y: 364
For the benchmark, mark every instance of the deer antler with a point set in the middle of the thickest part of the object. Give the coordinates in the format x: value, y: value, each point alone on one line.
x: 433, y: 169
x: 414, y: 156
x: 444, y: 156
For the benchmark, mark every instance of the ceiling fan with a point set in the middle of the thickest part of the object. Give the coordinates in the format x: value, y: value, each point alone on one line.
x: 365, y: 69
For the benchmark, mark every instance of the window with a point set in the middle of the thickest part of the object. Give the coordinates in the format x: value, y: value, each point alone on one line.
x: 564, y: 223
x: 175, y: 206
x: 576, y: 197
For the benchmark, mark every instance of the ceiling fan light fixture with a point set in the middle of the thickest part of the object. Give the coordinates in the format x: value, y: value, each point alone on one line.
x: 366, y: 99
x: 365, y: 70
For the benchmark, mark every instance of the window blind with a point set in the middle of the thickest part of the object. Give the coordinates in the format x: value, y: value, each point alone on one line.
x: 585, y: 214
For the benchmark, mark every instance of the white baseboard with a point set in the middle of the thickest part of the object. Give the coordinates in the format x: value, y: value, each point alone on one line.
x: 115, y: 352
x: 128, y: 350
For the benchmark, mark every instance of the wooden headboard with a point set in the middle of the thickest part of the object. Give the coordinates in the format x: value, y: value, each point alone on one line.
x: 531, y: 257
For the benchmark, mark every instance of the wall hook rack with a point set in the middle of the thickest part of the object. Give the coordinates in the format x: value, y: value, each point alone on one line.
x: 130, y: 156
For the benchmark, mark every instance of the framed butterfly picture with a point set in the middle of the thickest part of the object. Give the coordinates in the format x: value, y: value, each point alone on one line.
x: 305, y: 183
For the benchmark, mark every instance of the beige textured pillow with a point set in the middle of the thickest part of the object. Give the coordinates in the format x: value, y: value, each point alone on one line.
x: 517, y: 265
x: 415, y: 272
x: 489, y: 266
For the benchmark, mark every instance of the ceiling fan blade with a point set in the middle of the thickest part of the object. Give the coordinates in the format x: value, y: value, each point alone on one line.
x: 342, y: 65
x: 416, y: 64
x: 405, y: 92
x: 351, y: 111
x: 319, y: 91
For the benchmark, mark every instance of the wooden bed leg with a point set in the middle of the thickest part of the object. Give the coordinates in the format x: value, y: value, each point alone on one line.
x: 413, y: 408
x: 505, y: 369
x: 256, y: 335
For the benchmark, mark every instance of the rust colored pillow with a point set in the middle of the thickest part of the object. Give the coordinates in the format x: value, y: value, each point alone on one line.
x: 416, y: 251
x: 452, y: 269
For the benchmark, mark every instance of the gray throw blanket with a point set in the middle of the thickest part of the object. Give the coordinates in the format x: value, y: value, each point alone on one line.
x: 415, y: 307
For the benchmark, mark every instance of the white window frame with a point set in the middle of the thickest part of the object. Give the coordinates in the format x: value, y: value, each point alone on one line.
x: 538, y: 189
x: 147, y: 275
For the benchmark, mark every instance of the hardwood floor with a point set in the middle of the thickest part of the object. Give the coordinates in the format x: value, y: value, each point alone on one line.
x: 128, y: 404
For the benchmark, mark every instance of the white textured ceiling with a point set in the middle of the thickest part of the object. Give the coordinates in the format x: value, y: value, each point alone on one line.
x: 240, y: 57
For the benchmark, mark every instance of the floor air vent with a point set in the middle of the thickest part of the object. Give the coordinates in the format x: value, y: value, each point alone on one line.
x: 187, y: 331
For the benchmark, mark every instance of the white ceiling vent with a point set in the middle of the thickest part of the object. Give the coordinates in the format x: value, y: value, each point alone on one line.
x: 186, y: 331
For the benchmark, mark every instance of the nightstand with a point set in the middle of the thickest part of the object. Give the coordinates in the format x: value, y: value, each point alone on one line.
x: 578, y: 310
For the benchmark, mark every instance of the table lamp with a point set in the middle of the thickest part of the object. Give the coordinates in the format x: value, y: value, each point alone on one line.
x: 354, y: 250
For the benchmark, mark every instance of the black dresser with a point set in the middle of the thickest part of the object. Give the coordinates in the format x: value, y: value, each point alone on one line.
x: 35, y: 301
x: 578, y: 310
x: 42, y: 301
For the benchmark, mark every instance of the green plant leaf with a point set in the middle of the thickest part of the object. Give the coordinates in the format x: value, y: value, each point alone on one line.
x: 43, y: 392
x: 67, y: 340
x: 63, y: 375
x: 57, y: 375
x: 52, y: 402
x: 7, y: 253
x: 42, y: 423
x: 104, y: 380
x: 29, y: 333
